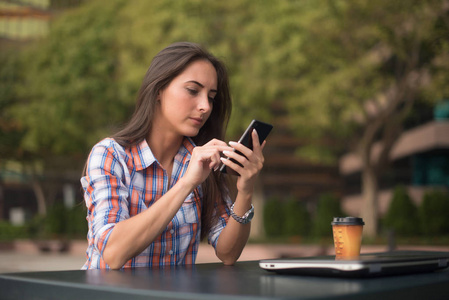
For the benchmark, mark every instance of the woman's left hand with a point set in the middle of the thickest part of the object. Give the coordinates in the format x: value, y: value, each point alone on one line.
x: 252, y: 163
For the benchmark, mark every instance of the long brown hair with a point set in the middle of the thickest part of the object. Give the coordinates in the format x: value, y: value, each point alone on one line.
x: 165, y: 66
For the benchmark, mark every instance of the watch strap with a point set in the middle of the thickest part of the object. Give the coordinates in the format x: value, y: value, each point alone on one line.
x: 246, y: 218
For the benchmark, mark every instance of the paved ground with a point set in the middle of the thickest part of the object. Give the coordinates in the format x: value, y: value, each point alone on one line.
x: 24, y: 262
x: 24, y: 257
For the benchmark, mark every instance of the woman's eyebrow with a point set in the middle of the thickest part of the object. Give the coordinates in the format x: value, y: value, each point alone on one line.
x: 201, y: 85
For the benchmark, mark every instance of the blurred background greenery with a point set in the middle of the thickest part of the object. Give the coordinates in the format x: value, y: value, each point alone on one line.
x: 336, y: 78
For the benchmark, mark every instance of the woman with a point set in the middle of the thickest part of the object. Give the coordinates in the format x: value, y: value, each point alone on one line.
x: 153, y: 190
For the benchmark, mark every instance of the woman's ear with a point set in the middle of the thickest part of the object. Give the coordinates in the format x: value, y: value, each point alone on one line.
x: 159, y: 96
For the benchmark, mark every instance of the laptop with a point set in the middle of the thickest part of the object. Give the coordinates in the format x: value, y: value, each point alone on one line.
x: 366, y: 265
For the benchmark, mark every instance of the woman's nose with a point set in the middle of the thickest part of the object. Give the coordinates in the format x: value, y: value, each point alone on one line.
x: 204, y: 103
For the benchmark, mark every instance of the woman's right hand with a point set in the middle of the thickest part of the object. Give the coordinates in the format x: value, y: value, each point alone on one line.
x: 205, y: 159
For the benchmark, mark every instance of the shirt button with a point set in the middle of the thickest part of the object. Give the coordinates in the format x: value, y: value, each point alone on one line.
x: 172, y: 231
x: 170, y: 252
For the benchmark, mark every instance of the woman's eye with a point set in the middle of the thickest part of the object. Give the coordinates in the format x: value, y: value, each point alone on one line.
x: 192, y: 91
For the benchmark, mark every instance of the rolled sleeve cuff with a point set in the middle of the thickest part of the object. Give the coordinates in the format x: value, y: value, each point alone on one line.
x: 220, y: 225
x: 102, y: 238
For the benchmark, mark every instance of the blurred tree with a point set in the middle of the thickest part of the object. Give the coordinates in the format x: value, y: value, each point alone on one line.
x: 79, y: 84
x: 69, y: 96
x: 60, y: 98
x: 10, y: 79
x: 367, y: 62
x: 402, y: 214
x: 231, y: 30
x: 433, y: 213
x: 274, y: 216
x: 11, y: 129
x: 296, y: 219
x: 82, y: 80
x: 346, y: 70
x: 328, y: 207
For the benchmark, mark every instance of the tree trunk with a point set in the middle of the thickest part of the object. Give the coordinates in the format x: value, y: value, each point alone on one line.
x: 369, y: 182
x: 370, y: 207
x: 40, y: 197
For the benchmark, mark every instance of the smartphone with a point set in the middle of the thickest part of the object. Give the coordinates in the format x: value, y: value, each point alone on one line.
x: 263, y: 129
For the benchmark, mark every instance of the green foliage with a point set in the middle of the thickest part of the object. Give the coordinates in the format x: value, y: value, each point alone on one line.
x: 213, y: 24
x: 60, y: 222
x: 290, y: 218
x: 9, y: 232
x: 433, y: 213
x: 273, y: 216
x: 35, y: 227
x: 328, y: 207
x: 364, y: 48
x: 296, y: 219
x: 55, y: 223
x: 80, y: 82
x: 71, y: 95
x: 319, y: 60
x: 286, y: 218
x: 10, y: 130
x: 76, y: 223
x: 402, y: 215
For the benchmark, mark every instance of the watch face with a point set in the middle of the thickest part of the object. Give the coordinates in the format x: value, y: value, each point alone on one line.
x: 250, y: 215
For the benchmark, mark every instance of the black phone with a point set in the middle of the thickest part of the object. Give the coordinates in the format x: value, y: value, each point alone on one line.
x: 263, y: 129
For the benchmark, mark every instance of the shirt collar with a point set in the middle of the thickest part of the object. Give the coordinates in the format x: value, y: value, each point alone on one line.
x: 188, y: 144
x: 146, y: 157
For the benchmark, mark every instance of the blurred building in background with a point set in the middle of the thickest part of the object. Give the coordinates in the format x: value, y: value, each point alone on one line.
x: 288, y: 175
x: 419, y: 161
x: 24, y: 20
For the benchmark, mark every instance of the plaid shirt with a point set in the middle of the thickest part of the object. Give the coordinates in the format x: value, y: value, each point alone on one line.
x: 121, y: 183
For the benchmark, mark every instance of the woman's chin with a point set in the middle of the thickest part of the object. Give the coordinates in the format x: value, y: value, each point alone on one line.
x: 191, y: 133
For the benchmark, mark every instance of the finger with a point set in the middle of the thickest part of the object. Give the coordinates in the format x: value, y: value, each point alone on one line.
x: 210, y: 156
x: 230, y: 164
x: 216, y: 142
x: 246, y: 150
x: 215, y: 161
x: 257, y: 147
x: 210, y: 150
x: 218, y: 148
x: 241, y: 148
x: 236, y: 156
x: 256, y: 142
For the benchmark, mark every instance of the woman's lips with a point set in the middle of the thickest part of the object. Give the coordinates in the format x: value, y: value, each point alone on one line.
x: 197, y: 121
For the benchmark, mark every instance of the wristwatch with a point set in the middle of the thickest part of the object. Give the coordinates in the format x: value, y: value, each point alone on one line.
x: 246, y: 218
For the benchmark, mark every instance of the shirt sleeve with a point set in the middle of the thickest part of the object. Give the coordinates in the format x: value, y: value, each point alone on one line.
x: 105, y: 192
x: 223, y: 209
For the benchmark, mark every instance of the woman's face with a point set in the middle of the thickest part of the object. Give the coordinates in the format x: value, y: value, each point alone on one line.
x: 187, y: 102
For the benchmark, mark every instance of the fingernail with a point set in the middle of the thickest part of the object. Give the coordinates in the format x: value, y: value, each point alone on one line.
x: 226, y: 152
x: 233, y: 143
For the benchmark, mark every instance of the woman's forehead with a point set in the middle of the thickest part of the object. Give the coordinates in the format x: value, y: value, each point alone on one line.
x: 200, y: 71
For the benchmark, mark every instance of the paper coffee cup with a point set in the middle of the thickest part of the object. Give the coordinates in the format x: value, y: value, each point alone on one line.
x: 347, y: 233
